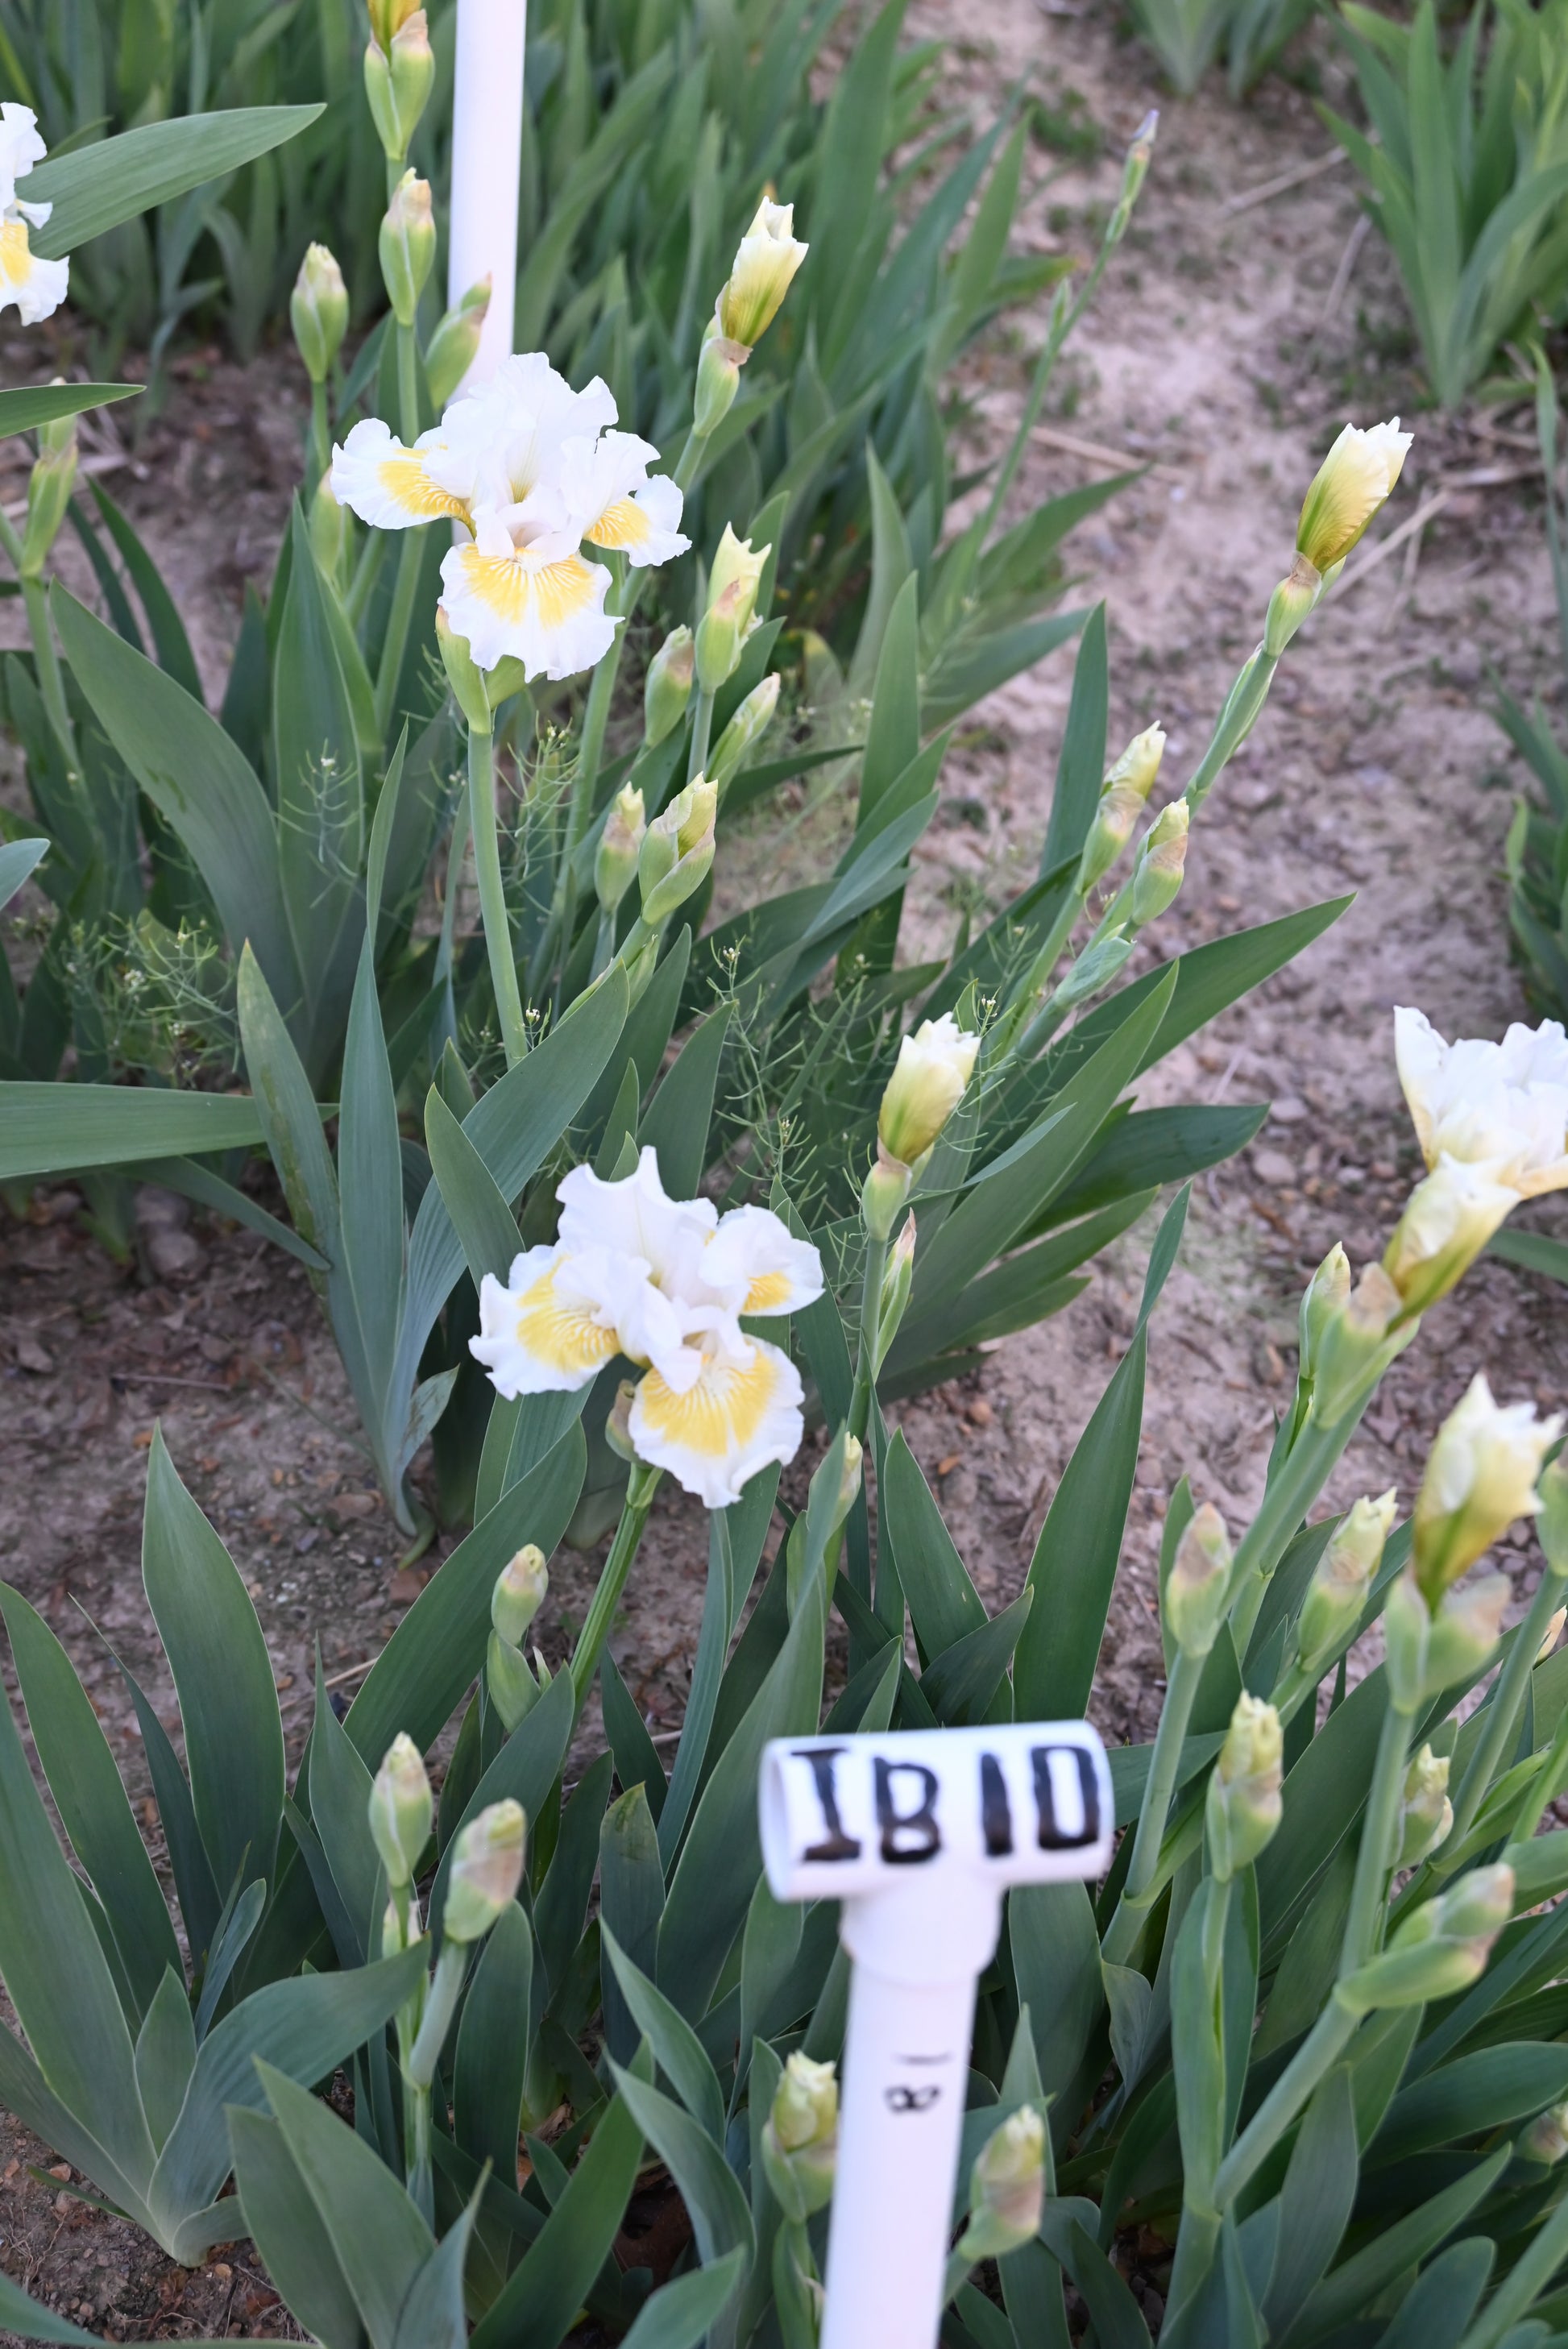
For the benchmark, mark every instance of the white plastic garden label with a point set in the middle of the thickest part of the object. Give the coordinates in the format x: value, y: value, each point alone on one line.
x: 919, y: 1835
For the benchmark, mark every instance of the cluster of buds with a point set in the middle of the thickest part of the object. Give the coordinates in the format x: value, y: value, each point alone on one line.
x: 1006, y: 2188
x: 1426, y: 1814
x: 676, y: 854
x: 1195, y: 1589
x: 765, y: 263
x: 406, y: 244
x: 1123, y: 795
x: 800, y: 2137
x: 930, y: 1079
x: 399, y: 71
x: 511, y: 1684
x: 1337, y: 1596
x: 731, y: 611
x: 1441, y: 1949
x: 49, y: 487
x: 1348, y: 490
x: 1244, y: 1804
x: 667, y: 686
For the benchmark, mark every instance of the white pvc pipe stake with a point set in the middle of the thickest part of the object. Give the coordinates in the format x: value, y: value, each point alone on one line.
x: 487, y: 156
x: 919, y: 1835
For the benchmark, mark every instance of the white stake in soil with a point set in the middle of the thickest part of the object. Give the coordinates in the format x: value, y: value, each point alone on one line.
x: 919, y: 1835
x: 487, y: 152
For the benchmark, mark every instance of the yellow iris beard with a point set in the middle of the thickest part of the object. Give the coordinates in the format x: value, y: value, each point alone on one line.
x: 721, y: 1413
x: 768, y: 1293
x: 564, y: 1335
x: 15, y: 253
x: 622, y: 524
x: 404, y: 478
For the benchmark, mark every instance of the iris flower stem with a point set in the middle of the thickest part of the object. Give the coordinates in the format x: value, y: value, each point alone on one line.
x: 1132, y: 1908
x: 1502, y: 1714
x: 1317, y: 2056
x: 1378, y: 1828
x: 320, y: 431
x: 51, y: 677
x: 641, y: 1485
x: 866, y: 1344
x: 622, y: 602
x: 410, y: 562
x: 486, y: 832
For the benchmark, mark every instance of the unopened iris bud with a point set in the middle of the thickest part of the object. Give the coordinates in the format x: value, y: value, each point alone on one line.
x: 1350, y: 488
x: 1552, y: 1524
x: 1123, y: 795
x: 801, y: 2137
x: 407, y: 246
x: 1337, y: 1595
x: 388, y: 17
x: 1095, y: 968
x: 1480, y: 1475
x: 718, y: 367
x: 1161, y: 863
x: 849, y: 1474
x: 1426, y: 1814
x: 620, y: 844
x: 618, y: 1422
x: 401, y: 1809
x: 677, y: 853
x: 1442, y: 1949
x: 898, y: 1277
x: 764, y: 267
x: 747, y: 725
x: 732, y: 593
x: 1546, y: 2138
x: 1426, y: 1652
x: 1244, y: 1806
x: 519, y: 1593
x: 1552, y: 1634
x: 667, y: 687
x: 1006, y: 2188
x: 1356, y: 1345
x: 1327, y: 1292
x: 1448, y: 1220
x: 487, y: 1869
x: 1292, y: 601
x: 1134, y: 173
x: 329, y: 527
x: 929, y: 1079
x: 1195, y: 1586
x: 318, y: 311
x: 49, y: 487
x: 454, y: 346
x: 398, y: 84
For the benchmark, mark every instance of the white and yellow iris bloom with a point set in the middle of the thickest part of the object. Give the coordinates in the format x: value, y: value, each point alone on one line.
x: 531, y: 469
x: 665, y: 1282
x: 37, y: 286
x: 1503, y: 1107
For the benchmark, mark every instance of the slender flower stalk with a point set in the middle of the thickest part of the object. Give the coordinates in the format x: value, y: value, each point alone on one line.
x: 641, y: 1483
x: 484, y: 825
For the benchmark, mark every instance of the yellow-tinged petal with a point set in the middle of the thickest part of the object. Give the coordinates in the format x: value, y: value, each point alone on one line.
x: 37, y: 286
x: 544, y: 1332
x: 742, y: 1411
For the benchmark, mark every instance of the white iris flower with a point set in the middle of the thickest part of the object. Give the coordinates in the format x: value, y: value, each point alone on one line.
x: 37, y: 286
x: 664, y: 1282
x: 532, y: 469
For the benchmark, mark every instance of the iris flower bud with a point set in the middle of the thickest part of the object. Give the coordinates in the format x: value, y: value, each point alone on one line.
x: 747, y: 725
x: 898, y: 1277
x: 1122, y: 798
x: 1546, y: 2138
x: 677, y: 851
x: 1349, y: 489
x: 1442, y: 1949
x: 1195, y: 1586
x: 398, y: 83
x: 1337, y: 1594
x: 1448, y: 1220
x: 454, y: 346
x: 620, y: 844
x: 1480, y: 1475
x: 49, y: 487
x: 401, y: 1809
x: 1426, y: 1814
x: 1008, y: 2189
x: 487, y: 1869
x: 667, y: 687
x: 1428, y: 1649
x: 801, y: 2137
x: 929, y: 1079
x: 764, y: 266
x: 407, y: 246
x: 1327, y: 1292
x: 1244, y: 1806
x: 519, y: 1593
x: 1552, y: 1524
x: 1161, y: 863
x: 732, y: 593
x: 318, y: 311
x: 718, y: 367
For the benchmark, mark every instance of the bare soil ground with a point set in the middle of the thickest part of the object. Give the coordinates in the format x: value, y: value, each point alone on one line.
x: 1227, y: 348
